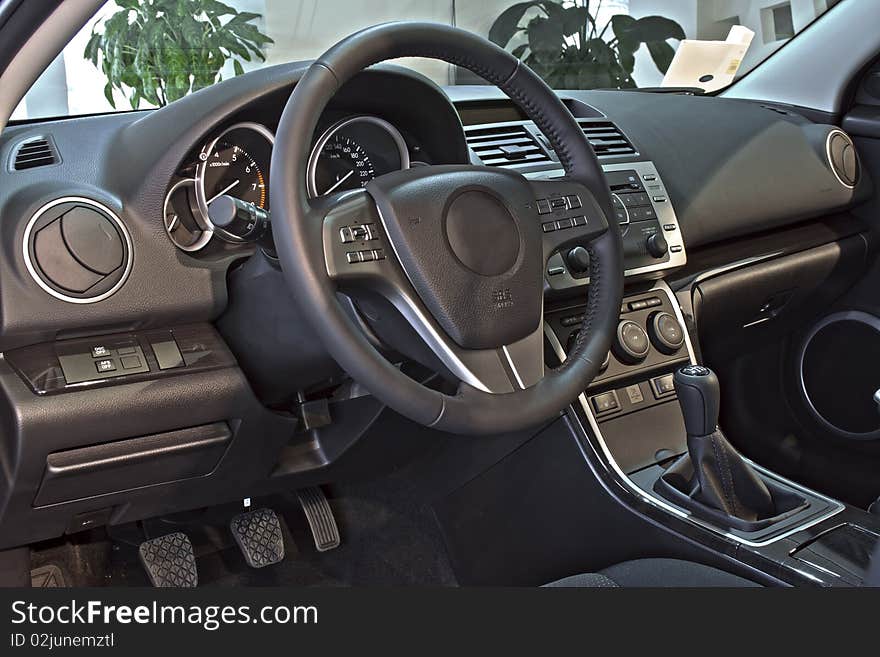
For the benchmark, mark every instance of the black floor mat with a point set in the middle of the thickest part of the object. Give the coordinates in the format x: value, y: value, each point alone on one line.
x: 48, y: 577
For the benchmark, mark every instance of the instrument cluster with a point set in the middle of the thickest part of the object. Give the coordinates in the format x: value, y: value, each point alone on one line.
x: 224, y: 191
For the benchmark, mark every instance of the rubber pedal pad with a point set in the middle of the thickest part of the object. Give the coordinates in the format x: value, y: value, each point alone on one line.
x: 320, y: 516
x: 258, y: 535
x: 170, y: 561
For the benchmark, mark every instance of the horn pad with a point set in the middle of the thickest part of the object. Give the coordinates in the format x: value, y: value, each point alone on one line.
x: 469, y: 240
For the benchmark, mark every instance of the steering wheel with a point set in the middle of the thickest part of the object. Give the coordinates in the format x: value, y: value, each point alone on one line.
x: 459, y: 250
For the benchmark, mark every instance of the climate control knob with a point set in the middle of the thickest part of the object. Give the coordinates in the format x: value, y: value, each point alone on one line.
x: 632, y: 344
x: 666, y: 333
x: 657, y: 245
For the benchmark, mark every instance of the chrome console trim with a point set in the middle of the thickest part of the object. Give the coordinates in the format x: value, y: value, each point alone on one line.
x: 648, y: 496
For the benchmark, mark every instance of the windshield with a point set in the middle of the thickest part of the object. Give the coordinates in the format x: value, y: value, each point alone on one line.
x: 140, y: 54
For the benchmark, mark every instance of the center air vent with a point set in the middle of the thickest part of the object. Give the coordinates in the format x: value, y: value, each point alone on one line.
x: 35, y: 152
x: 77, y: 250
x: 505, y: 146
x: 606, y: 138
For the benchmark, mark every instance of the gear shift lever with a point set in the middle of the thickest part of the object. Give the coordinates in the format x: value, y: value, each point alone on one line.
x: 719, y: 478
x: 699, y: 395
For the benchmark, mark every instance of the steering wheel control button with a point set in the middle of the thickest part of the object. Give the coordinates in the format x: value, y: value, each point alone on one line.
x: 106, y: 365
x: 100, y: 351
x: 666, y: 333
x: 605, y: 403
x: 548, y: 226
x: 632, y: 344
x: 167, y: 354
x: 663, y: 386
x: 544, y: 206
x: 574, y: 202
x: 559, y: 203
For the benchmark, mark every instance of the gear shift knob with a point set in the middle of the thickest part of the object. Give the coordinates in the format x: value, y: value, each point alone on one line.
x: 699, y: 396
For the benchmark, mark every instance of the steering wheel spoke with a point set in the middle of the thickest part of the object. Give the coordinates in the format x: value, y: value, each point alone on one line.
x: 569, y: 214
x: 359, y: 255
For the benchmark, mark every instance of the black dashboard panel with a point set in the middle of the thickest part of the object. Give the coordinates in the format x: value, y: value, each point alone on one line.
x: 731, y: 167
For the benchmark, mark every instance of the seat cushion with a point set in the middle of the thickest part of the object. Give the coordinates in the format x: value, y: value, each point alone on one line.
x: 655, y: 573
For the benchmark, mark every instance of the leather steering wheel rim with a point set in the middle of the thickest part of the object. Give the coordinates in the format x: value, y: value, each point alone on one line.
x: 298, y: 236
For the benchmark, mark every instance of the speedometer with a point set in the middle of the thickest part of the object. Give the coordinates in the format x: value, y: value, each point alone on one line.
x: 353, y: 152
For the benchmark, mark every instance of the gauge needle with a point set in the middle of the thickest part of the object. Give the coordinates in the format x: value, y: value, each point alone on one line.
x: 340, y: 181
x: 221, y: 193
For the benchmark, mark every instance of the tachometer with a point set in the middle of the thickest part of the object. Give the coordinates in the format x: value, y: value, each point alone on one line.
x: 353, y: 152
x: 236, y: 164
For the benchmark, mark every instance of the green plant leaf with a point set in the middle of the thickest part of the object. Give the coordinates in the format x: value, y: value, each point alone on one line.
x: 507, y: 24
x: 656, y: 28
x: 546, y: 38
x: 662, y: 54
x: 574, y: 19
x: 236, y: 65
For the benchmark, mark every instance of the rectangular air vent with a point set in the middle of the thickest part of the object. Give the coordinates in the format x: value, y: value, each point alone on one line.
x: 35, y: 152
x: 505, y: 146
x: 606, y: 138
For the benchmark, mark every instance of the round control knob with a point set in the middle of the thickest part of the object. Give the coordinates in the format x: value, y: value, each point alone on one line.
x: 578, y: 260
x: 632, y: 344
x: 666, y: 333
x: 657, y: 246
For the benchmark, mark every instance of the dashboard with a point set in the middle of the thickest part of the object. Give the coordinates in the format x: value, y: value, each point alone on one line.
x: 137, y: 269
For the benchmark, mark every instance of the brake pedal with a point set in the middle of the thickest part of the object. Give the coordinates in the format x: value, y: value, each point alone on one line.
x: 320, y: 516
x: 170, y: 561
x: 258, y: 534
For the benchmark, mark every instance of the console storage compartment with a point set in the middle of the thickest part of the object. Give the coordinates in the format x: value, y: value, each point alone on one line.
x: 132, y: 463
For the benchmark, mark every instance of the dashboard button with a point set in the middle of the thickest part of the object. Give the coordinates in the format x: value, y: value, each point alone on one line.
x: 634, y: 392
x: 605, y: 402
x: 666, y: 333
x: 130, y: 362
x: 167, y: 354
x: 632, y: 344
x: 675, y: 248
x: 668, y: 226
x: 663, y: 385
x: 100, y: 351
x: 106, y: 365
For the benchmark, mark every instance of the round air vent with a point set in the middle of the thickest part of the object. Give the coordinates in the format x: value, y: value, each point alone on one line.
x: 77, y: 250
x: 842, y: 158
x: 838, y: 374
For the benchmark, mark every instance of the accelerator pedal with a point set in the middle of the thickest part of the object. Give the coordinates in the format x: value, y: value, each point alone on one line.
x: 258, y: 534
x: 320, y: 516
x: 170, y: 561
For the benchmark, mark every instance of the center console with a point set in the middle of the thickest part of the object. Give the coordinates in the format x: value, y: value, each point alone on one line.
x: 634, y: 428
